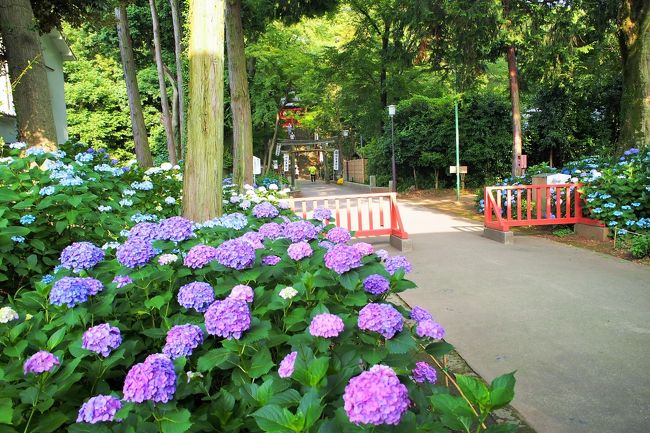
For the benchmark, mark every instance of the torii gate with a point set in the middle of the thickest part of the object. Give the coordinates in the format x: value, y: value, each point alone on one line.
x: 314, y: 146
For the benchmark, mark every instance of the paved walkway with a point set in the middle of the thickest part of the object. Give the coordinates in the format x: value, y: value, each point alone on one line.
x: 574, y: 324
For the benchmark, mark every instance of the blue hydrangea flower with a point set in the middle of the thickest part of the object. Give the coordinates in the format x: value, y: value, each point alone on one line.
x: 393, y: 264
x: 236, y: 254
x: 338, y: 235
x: 322, y: 214
x: 301, y: 230
x: 271, y: 230
x: 181, y: 340
x: 376, y: 284
x: 342, y: 258
x: 228, y: 318
x: 71, y: 291
x: 27, y: 219
x: 101, y: 408
x: 81, y: 255
x: 175, y: 229
x: 265, y: 210
x: 196, y: 295
x: 152, y: 380
x: 142, y: 186
x: 18, y: 239
x: 134, y: 253
x: 47, y: 190
x: 418, y: 314
x: 102, y: 339
x: 144, y: 231
x: 381, y: 318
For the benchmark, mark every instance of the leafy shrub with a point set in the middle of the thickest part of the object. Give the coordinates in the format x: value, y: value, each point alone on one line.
x: 48, y: 200
x: 640, y: 246
x: 299, y: 339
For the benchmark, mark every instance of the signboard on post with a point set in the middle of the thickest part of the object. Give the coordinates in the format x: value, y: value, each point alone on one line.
x: 463, y: 169
x: 257, y: 165
x: 275, y: 164
x: 522, y: 161
x: 286, y: 162
x: 277, y: 149
x: 336, y: 160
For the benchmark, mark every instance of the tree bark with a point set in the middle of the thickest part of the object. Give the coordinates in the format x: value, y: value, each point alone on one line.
x: 634, y: 39
x: 175, y: 115
x: 28, y: 74
x: 203, y: 177
x: 178, y: 49
x: 516, y: 113
x: 383, y: 86
x: 240, y: 104
x: 164, y: 103
x: 142, y: 151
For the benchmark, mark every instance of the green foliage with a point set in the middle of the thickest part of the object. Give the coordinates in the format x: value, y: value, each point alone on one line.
x: 563, y: 232
x: 640, y: 246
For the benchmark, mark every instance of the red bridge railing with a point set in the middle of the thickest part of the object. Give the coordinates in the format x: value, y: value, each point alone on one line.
x: 534, y: 205
x: 365, y: 214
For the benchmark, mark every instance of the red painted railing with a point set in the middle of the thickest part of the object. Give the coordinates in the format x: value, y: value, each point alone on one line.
x: 365, y: 214
x: 534, y: 205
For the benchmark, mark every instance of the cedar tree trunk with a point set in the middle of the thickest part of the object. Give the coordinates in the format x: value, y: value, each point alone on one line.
x: 516, y: 113
x: 178, y: 36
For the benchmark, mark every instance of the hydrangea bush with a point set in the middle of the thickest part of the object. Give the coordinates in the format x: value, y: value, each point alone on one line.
x: 49, y: 200
x: 191, y: 328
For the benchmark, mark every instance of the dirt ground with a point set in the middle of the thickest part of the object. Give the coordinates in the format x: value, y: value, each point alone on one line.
x: 445, y: 200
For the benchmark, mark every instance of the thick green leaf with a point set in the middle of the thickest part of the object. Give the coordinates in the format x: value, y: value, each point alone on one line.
x: 6, y: 411
x: 401, y: 343
x: 56, y: 338
x: 261, y: 363
x: 176, y: 422
x: 273, y: 419
x: 475, y: 390
x: 502, y: 390
x: 311, y: 408
x: 216, y: 358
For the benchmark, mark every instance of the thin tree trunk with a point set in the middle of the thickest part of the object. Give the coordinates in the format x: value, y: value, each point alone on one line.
x: 516, y: 114
x: 202, y: 182
x: 273, y: 140
x: 240, y: 104
x: 634, y: 40
x: 435, y: 174
x: 164, y: 103
x: 142, y: 151
x: 383, y: 86
x: 31, y: 93
x: 175, y: 103
x: 415, y: 179
x: 178, y: 49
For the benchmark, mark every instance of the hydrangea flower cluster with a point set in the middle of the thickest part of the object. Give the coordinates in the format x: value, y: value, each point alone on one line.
x: 154, y: 380
x: 236, y: 254
x: 271, y: 260
x: 299, y: 250
x: 7, y: 314
x: 265, y: 210
x: 27, y: 219
x: 300, y: 230
x: 418, y: 314
x: 167, y: 259
x: 199, y: 256
x: 423, y: 372
x: 71, y: 291
x: 175, y: 229
x: 134, y: 253
x: 40, y: 362
x: 364, y: 248
x: 235, y: 221
x: 322, y: 214
x: 122, y: 280
x: 342, y: 258
x: 271, y: 230
x: 288, y: 292
x: 381, y: 318
x: 102, y: 339
x: 228, y: 318
x: 326, y: 325
x: 144, y: 231
x: 242, y: 292
x: 81, y: 255
x: 287, y: 364
x: 196, y: 295
x: 100, y: 408
x: 181, y: 340
x: 254, y: 239
x: 431, y: 329
x: 338, y: 235
x: 393, y: 264
x: 376, y: 284
x: 376, y: 397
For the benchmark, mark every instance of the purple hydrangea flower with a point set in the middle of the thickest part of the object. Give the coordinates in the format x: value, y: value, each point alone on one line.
x: 236, y: 254
x: 135, y: 252
x: 271, y: 230
x: 270, y: 260
x: 199, y: 256
x: 122, y: 280
x: 322, y: 214
x: 81, y: 255
x: 175, y: 229
x: 431, y: 329
x: 300, y: 231
x: 423, y: 372
x: 196, y: 295
x: 325, y: 244
x: 341, y: 258
x: 381, y: 318
x: 228, y: 318
x: 154, y: 379
x: 394, y: 263
x: 418, y: 314
x: 265, y: 210
x: 102, y: 339
x: 144, y: 231
x: 287, y: 364
x: 40, y: 362
x: 74, y: 290
x: 100, y: 408
x: 254, y: 239
x: 242, y: 292
x: 326, y: 325
x: 382, y: 254
x: 299, y: 250
x: 182, y: 340
x: 376, y: 397
x: 338, y: 235
x: 376, y: 284
x: 364, y: 248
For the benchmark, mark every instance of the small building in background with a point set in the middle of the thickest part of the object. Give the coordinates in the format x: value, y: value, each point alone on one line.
x: 55, y: 52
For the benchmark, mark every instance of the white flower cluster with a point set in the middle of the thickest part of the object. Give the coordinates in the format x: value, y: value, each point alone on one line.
x: 7, y: 314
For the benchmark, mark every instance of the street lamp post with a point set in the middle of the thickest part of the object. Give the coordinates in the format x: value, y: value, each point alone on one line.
x: 392, y: 109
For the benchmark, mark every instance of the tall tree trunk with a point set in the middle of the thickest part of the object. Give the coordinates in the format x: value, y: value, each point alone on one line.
x: 178, y: 49
x: 31, y: 93
x: 175, y: 115
x: 634, y: 39
x: 202, y: 182
x: 383, y: 86
x: 142, y: 151
x: 164, y: 103
x: 516, y: 113
x: 240, y: 103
